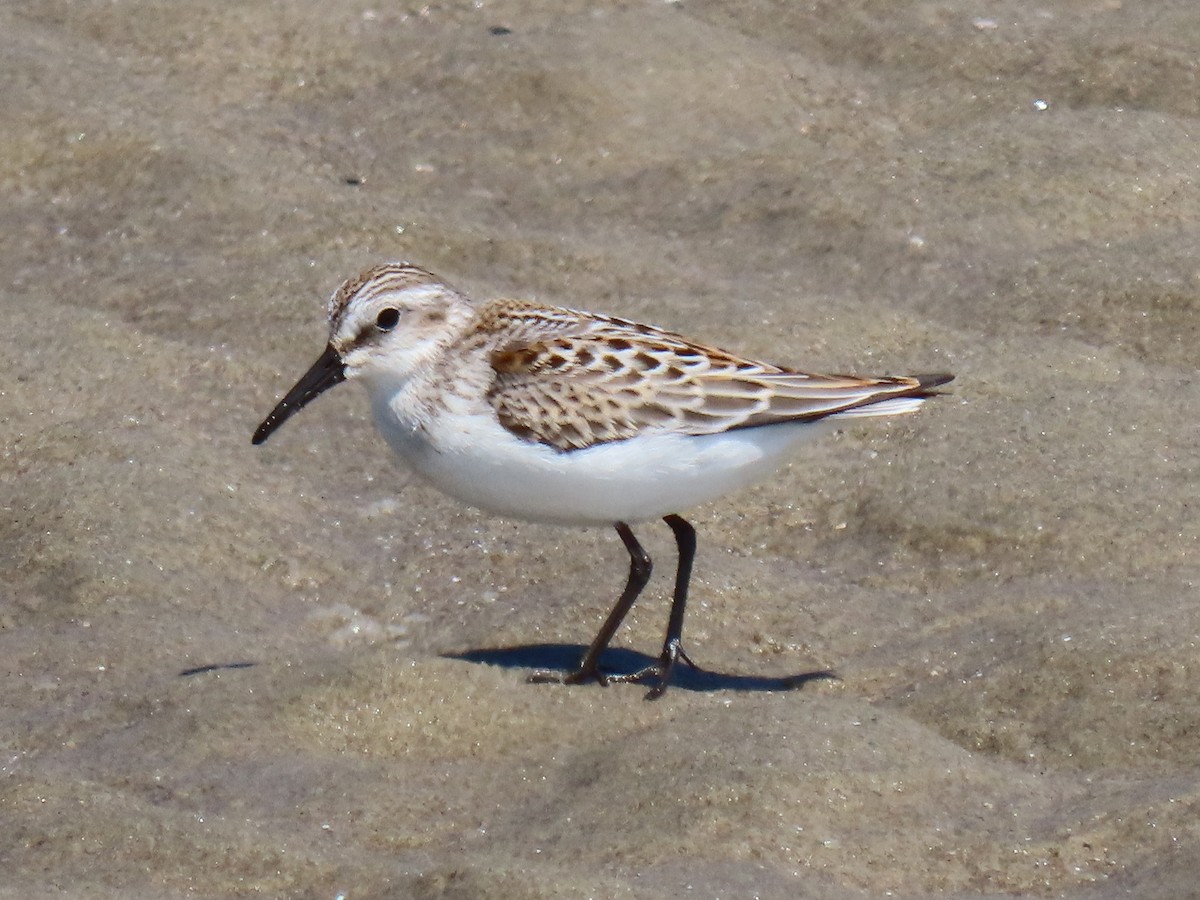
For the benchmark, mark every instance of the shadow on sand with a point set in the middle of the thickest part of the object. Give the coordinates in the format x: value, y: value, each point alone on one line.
x: 565, y: 658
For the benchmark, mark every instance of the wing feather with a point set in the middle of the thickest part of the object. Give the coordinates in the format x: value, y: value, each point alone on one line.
x: 592, y: 379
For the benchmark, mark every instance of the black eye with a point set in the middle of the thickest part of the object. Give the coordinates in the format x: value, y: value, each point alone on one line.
x: 387, y: 319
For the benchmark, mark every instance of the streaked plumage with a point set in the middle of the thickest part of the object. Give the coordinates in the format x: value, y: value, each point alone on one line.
x: 558, y: 415
x: 605, y: 379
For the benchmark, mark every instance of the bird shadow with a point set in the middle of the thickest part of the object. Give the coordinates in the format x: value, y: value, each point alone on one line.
x: 215, y: 667
x: 616, y: 660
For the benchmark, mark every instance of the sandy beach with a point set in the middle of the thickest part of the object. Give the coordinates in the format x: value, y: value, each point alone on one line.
x: 296, y: 671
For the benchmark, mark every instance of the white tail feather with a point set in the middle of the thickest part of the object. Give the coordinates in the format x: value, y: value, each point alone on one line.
x: 897, y: 406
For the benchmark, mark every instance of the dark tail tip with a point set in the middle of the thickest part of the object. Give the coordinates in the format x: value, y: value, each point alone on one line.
x: 928, y: 382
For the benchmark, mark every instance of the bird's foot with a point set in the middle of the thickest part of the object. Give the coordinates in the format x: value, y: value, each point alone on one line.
x: 579, y: 676
x: 658, y: 672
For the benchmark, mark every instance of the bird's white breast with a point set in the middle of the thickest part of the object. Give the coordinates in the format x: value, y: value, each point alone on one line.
x: 470, y: 456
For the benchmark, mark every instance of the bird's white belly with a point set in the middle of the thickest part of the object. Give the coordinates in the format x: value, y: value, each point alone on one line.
x: 474, y: 459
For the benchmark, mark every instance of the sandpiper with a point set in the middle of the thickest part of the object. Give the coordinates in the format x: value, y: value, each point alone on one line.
x: 557, y: 415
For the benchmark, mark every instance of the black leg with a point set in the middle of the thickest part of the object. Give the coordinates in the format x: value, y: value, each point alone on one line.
x: 672, y: 652
x: 685, y: 542
x: 639, y: 573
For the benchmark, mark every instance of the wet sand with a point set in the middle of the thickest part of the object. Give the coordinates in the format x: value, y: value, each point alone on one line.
x: 1006, y: 584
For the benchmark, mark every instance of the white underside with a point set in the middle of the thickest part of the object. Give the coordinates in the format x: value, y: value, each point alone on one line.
x: 474, y: 459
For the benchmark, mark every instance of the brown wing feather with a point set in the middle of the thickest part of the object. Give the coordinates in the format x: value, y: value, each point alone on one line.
x: 597, y: 379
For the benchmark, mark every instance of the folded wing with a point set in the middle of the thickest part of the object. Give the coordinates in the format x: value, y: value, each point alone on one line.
x: 603, y: 379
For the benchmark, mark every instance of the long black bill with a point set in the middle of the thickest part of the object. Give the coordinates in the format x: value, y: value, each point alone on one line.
x: 324, y: 374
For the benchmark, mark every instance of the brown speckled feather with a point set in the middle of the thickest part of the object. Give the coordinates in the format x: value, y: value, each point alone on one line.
x: 571, y: 379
